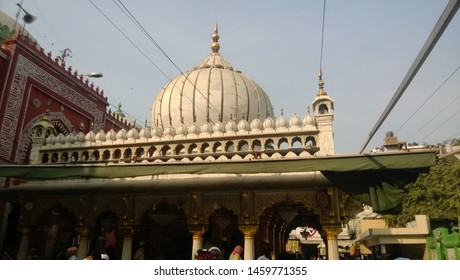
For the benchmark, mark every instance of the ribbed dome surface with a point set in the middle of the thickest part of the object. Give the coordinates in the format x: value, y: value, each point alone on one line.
x: 211, y: 92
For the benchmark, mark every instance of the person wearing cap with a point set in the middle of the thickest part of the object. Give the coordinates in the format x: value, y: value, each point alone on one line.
x: 139, y: 254
x: 215, y: 252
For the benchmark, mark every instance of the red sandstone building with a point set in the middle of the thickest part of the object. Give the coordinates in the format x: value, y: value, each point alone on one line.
x: 32, y: 84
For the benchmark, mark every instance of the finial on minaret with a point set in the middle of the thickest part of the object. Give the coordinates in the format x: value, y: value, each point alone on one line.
x: 321, y: 83
x: 46, y: 116
x: 215, y: 40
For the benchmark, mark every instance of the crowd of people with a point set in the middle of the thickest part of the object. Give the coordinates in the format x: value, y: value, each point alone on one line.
x: 215, y: 253
x: 211, y: 253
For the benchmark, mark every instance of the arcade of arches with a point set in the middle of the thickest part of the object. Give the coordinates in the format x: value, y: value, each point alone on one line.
x: 175, y: 226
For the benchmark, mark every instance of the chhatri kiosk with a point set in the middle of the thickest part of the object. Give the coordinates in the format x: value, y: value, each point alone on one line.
x: 215, y: 168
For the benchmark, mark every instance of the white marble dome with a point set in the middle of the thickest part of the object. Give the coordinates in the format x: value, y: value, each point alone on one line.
x: 212, y: 91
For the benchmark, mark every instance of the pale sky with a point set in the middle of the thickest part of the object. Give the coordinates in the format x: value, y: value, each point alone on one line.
x: 369, y: 46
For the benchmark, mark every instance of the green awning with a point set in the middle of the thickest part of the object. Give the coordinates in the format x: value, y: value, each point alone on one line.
x: 379, y: 180
x: 342, y: 163
x: 384, y: 190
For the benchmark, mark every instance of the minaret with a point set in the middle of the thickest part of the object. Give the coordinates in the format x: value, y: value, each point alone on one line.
x: 323, y: 105
x: 40, y: 131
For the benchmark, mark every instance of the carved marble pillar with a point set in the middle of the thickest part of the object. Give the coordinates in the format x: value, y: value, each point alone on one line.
x: 197, y: 243
x: 249, y: 232
x: 127, y: 250
x: 83, y: 232
x: 23, y: 243
x: 332, y: 231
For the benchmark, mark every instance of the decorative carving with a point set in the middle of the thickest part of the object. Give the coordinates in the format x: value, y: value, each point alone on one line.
x: 248, y: 230
x: 25, y: 69
x: 332, y: 230
x: 322, y: 199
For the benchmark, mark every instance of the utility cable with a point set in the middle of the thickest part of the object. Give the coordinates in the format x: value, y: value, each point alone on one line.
x: 434, y: 117
x: 158, y: 68
x: 438, y: 30
x: 453, y: 136
x: 146, y: 33
x: 439, y: 126
x: 427, y: 99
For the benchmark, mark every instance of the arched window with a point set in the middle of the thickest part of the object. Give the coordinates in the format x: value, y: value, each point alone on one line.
x: 256, y: 145
x: 205, y: 148
x: 229, y: 147
x: 310, y: 142
x: 217, y: 148
x: 139, y: 152
x: 180, y: 150
x: 283, y: 144
x: 193, y: 149
x: 106, y: 155
x: 269, y: 145
x: 296, y: 143
x: 45, y: 158
x: 128, y: 153
x: 165, y: 151
x: 117, y: 154
x: 323, y: 109
x: 64, y: 157
x: 95, y: 155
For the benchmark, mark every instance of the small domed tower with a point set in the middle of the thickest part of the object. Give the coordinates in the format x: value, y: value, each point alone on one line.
x: 323, y: 106
x: 40, y: 131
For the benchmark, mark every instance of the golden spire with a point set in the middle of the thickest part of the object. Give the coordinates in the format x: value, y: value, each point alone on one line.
x: 215, y: 40
x: 321, y: 84
x: 46, y: 117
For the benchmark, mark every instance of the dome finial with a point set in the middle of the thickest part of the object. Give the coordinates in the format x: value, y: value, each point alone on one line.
x: 215, y: 40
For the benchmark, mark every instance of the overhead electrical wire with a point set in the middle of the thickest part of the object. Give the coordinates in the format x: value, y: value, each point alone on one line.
x: 146, y: 33
x: 126, y: 11
x: 453, y: 136
x: 439, y: 126
x: 127, y: 38
x: 42, y: 16
x: 426, y: 100
x: 156, y: 66
x: 139, y: 25
x: 434, y: 117
x: 439, y: 28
